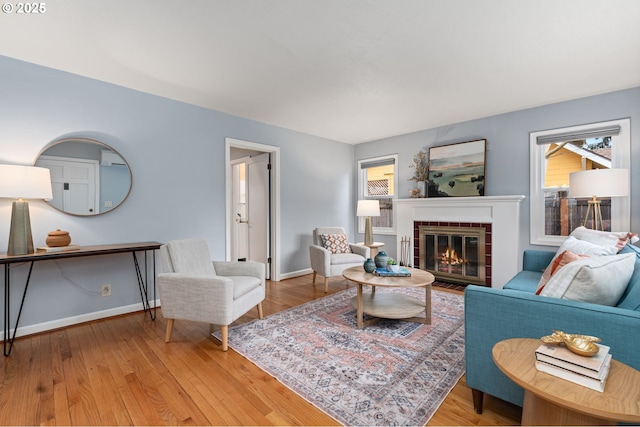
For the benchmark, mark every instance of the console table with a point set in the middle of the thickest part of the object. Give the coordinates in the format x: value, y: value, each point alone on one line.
x: 84, y: 251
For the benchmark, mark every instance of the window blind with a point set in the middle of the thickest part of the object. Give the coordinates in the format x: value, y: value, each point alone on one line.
x: 576, y: 136
x: 375, y: 163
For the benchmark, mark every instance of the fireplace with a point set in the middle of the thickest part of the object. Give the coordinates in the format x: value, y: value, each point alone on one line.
x: 454, y: 252
x: 498, y: 215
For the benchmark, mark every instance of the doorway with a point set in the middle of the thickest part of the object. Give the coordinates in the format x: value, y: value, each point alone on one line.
x: 252, y: 204
x: 75, y: 184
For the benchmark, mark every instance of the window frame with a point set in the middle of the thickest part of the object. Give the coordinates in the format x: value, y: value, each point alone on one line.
x: 362, y: 184
x: 620, y: 158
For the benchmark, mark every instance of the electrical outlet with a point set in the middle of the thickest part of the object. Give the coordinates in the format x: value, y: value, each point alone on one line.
x: 106, y: 290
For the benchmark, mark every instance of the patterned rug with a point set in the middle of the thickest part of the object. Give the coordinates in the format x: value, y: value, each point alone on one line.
x: 390, y: 373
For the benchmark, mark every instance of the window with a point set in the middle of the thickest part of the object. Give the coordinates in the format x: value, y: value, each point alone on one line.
x: 558, y: 152
x: 377, y: 181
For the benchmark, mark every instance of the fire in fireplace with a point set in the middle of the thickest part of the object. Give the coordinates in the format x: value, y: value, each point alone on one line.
x: 453, y: 253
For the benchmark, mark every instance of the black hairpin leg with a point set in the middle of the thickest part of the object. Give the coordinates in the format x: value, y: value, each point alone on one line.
x: 143, y: 284
x: 8, y: 338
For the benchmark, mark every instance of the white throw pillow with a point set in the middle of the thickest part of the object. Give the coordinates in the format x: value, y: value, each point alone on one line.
x: 604, y: 238
x: 599, y: 280
x: 584, y: 247
x: 579, y: 247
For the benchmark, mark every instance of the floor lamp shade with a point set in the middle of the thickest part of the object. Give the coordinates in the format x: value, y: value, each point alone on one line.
x: 23, y: 182
x: 599, y: 183
x: 596, y: 183
x: 367, y: 209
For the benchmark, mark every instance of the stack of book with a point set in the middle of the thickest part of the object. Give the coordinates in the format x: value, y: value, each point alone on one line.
x: 55, y: 249
x: 561, y: 362
x: 402, y: 272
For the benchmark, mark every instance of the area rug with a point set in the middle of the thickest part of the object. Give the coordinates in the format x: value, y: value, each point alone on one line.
x: 391, y: 373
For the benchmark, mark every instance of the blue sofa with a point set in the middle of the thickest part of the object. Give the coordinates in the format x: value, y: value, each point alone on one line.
x: 493, y: 315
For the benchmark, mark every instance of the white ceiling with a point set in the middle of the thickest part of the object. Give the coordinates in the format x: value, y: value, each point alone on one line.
x: 348, y: 70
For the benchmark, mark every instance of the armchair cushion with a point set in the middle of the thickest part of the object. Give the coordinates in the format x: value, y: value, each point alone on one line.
x: 349, y: 258
x: 243, y: 285
x: 191, y: 256
x: 335, y: 243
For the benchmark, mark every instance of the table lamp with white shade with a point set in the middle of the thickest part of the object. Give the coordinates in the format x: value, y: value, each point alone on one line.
x: 18, y: 183
x: 367, y: 209
x: 596, y: 183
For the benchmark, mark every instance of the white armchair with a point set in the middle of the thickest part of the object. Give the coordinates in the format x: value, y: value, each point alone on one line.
x: 331, y: 254
x: 192, y: 287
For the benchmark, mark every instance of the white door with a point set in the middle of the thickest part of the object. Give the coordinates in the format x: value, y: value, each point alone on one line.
x: 240, y: 228
x: 74, y: 183
x: 258, y: 209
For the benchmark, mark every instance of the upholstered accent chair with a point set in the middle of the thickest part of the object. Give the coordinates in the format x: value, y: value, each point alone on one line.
x: 331, y: 254
x: 192, y: 287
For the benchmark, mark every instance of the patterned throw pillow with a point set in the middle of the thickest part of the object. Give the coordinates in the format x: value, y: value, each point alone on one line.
x: 336, y: 243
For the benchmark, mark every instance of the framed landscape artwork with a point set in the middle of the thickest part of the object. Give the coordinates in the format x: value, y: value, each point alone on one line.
x: 457, y: 170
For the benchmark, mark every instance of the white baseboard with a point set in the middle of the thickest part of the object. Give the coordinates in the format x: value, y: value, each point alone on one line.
x: 117, y: 311
x: 298, y: 273
x: 75, y: 320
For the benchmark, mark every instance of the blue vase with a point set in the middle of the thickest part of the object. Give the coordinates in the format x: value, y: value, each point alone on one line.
x: 369, y: 266
x: 381, y: 259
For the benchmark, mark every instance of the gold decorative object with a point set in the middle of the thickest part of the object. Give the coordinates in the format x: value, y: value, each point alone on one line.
x: 578, y: 344
x: 58, y: 238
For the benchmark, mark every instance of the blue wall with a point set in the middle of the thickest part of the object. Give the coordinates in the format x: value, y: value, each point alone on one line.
x: 507, y: 157
x: 176, y: 152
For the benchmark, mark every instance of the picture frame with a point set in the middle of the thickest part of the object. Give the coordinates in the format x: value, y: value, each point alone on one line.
x: 457, y: 170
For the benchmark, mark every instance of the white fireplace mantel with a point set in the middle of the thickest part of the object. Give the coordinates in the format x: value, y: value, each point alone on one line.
x: 503, y: 212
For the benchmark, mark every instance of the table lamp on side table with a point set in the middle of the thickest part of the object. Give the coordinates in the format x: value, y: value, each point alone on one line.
x: 596, y: 183
x: 23, y: 182
x: 367, y: 209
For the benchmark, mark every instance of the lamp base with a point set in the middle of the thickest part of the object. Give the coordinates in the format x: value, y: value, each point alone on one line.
x: 368, y: 231
x: 594, y: 207
x: 20, y: 239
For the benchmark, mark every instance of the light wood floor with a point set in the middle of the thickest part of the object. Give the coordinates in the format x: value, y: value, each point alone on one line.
x: 119, y: 371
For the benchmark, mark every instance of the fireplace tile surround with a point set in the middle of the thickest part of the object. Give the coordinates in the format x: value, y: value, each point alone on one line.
x: 499, y: 214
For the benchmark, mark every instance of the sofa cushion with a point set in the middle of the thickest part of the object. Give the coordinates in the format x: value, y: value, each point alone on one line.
x: 631, y: 297
x: 599, y: 280
x: 525, y: 281
x: 335, y: 243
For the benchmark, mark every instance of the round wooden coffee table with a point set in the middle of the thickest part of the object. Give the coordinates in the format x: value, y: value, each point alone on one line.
x: 390, y: 305
x: 554, y: 401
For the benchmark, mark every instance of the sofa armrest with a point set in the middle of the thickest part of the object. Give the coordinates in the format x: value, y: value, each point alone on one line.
x: 536, y: 260
x: 493, y: 315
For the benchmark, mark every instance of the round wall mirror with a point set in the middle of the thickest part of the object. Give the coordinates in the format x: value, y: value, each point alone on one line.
x: 87, y: 177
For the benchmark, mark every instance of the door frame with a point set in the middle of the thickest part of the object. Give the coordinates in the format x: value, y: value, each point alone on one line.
x: 275, y: 198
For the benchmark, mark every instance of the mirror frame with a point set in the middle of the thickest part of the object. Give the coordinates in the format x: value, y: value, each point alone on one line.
x: 103, y: 146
